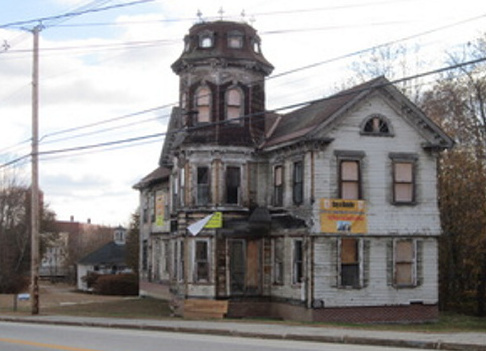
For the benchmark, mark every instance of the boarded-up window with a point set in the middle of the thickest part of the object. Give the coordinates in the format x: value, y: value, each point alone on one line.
x: 203, y: 105
x: 278, y: 186
x: 404, y: 263
x: 349, y: 180
x: 350, y: 262
x: 297, y: 262
x: 201, y: 261
x: 234, y: 105
x: 298, y: 183
x: 233, y: 181
x: 403, y: 182
x: 202, y: 185
x: 278, y: 261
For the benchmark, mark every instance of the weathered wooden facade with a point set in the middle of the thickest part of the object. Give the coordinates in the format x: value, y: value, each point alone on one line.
x: 328, y: 212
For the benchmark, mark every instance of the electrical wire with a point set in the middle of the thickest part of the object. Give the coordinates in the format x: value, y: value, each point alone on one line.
x: 131, y: 140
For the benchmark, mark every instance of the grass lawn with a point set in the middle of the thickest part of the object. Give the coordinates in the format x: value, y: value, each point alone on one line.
x: 145, y: 308
x: 149, y: 308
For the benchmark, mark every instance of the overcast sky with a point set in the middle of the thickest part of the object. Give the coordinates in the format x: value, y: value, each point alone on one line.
x: 105, y: 77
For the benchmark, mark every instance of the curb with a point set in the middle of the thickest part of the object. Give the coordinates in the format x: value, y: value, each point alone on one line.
x: 345, y: 339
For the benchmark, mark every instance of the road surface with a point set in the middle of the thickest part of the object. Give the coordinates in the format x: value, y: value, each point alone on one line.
x: 39, y: 337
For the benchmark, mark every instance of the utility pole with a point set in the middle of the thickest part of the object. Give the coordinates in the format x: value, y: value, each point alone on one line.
x: 34, y: 203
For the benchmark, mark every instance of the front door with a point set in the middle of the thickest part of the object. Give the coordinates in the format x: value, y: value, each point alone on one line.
x: 244, y: 267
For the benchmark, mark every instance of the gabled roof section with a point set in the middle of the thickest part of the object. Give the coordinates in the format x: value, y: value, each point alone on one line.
x: 156, y: 176
x: 302, y: 124
x: 110, y: 253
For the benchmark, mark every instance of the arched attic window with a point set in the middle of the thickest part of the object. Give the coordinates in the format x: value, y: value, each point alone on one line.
x: 234, y: 105
x: 203, y: 105
x: 376, y: 125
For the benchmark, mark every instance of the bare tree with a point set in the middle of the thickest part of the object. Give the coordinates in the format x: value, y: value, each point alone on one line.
x: 457, y: 103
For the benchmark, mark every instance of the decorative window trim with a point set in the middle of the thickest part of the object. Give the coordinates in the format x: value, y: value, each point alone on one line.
x: 377, y: 125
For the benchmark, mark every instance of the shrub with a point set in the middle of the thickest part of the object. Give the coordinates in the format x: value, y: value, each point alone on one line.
x: 117, y: 284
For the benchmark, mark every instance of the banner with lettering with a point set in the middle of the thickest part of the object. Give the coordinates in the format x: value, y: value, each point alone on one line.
x: 343, y: 216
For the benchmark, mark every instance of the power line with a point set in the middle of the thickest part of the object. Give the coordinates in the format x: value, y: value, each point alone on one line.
x: 282, y: 108
x: 71, y: 14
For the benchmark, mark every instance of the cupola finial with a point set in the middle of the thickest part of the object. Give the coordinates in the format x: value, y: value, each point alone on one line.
x: 221, y: 13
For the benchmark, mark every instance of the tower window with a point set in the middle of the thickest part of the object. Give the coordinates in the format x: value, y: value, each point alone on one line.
x: 203, y: 105
x: 206, y: 40
x: 234, y: 105
x: 233, y: 181
x: 235, y: 40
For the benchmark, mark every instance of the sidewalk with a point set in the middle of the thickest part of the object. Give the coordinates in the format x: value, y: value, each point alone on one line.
x: 433, y: 341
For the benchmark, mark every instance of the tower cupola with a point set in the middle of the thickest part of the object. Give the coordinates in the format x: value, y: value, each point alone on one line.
x: 222, y: 84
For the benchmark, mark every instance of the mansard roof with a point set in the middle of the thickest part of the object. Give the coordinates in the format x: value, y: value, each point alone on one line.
x: 248, y: 55
x: 305, y: 123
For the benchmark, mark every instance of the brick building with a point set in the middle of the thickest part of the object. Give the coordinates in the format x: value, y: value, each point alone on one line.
x: 326, y: 213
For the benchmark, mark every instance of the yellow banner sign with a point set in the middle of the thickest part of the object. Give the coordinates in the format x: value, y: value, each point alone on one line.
x: 343, y: 216
x: 216, y: 221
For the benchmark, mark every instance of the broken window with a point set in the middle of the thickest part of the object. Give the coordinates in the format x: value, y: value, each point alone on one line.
x: 278, y: 261
x: 202, y: 186
x: 278, y: 186
x: 297, y: 262
x: 298, y: 183
x: 350, y: 272
x: 233, y: 180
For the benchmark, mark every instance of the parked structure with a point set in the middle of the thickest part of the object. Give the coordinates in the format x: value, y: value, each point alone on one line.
x: 327, y: 213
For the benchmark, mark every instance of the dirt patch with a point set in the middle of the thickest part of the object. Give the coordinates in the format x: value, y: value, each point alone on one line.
x: 55, y: 295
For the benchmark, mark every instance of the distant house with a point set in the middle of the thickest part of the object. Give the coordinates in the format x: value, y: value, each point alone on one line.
x: 108, y: 259
x: 73, y: 240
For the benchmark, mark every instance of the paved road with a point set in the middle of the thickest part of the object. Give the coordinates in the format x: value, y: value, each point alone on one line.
x: 32, y: 337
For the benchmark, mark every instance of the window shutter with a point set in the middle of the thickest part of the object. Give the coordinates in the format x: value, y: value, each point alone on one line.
x: 420, y: 262
x: 389, y: 262
x: 334, y: 262
x: 366, y: 262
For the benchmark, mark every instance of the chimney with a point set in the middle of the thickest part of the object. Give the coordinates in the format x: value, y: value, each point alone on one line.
x: 72, y: 218
x: 89, y: 220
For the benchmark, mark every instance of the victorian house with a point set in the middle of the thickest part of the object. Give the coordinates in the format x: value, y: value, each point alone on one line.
x: 326, y: 213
